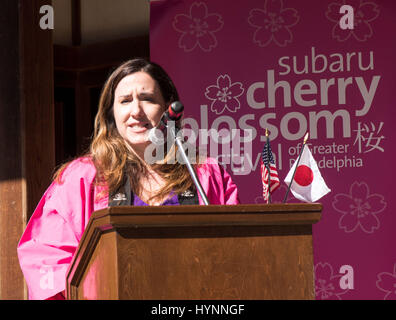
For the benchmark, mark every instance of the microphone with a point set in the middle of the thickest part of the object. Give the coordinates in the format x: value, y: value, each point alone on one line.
x: 173, y: 113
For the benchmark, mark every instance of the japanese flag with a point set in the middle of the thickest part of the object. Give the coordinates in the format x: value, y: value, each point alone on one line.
x: 308, y: 184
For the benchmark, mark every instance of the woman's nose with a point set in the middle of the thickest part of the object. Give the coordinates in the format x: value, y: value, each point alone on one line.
x: 136, y: 109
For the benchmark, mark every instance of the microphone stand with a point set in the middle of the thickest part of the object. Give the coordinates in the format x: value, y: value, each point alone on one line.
x: 179, y: 143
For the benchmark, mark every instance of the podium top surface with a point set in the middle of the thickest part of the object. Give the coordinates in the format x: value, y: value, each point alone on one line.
x: 216, y: 215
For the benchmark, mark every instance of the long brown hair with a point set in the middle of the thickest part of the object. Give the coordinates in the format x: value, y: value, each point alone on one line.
x: 108, y: 150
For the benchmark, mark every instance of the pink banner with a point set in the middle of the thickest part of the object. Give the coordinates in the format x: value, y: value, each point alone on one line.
x: 292, y: 67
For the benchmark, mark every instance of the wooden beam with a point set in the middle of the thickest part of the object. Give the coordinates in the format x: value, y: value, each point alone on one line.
x: 76, y: 22
x: 100, y: 55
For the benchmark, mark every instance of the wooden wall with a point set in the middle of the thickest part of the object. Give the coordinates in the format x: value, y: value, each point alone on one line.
x: 80, y: 72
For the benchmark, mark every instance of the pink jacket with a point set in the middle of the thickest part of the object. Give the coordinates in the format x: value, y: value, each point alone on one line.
x: 52, y: 235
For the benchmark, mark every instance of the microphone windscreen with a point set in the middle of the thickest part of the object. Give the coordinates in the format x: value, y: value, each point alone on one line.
x: 175, y: 110
x: 177, y: 107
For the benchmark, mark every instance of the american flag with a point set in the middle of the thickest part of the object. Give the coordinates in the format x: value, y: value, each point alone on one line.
x: 268, y: 164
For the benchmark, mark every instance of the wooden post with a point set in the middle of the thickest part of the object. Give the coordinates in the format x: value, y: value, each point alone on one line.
x: 27, y: 154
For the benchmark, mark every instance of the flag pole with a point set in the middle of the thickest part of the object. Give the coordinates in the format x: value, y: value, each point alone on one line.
x: 295, y: 169
x: 269, y: 170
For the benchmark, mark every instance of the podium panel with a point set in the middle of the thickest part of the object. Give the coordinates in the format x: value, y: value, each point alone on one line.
x: 196, y: 252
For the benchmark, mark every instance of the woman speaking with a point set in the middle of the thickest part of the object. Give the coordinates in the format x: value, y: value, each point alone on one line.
x: 113, y: 172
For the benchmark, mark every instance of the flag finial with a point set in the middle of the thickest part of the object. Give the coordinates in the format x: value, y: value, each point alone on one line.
x: 266, y: 132
x: 306, y: 137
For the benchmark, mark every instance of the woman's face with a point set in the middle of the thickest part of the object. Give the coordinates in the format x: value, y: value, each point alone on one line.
x: 138, y: 107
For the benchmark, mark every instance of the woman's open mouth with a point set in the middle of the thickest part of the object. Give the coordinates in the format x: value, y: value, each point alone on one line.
x: 139, y: 127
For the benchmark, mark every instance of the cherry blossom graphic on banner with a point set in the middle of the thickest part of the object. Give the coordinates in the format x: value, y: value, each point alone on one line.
x: 224, y: 95
x: 273, y: 23
x: 364, y: 13
x: 198, y: 28
x: 290, y: 67
x: 387, y: 283
x: 327, y: 282
x: 359, y: 208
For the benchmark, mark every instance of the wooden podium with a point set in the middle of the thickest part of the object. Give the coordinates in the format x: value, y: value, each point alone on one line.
x: 196, y: 252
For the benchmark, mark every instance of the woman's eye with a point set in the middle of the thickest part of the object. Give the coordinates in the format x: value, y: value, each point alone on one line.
x: 124, y: 101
